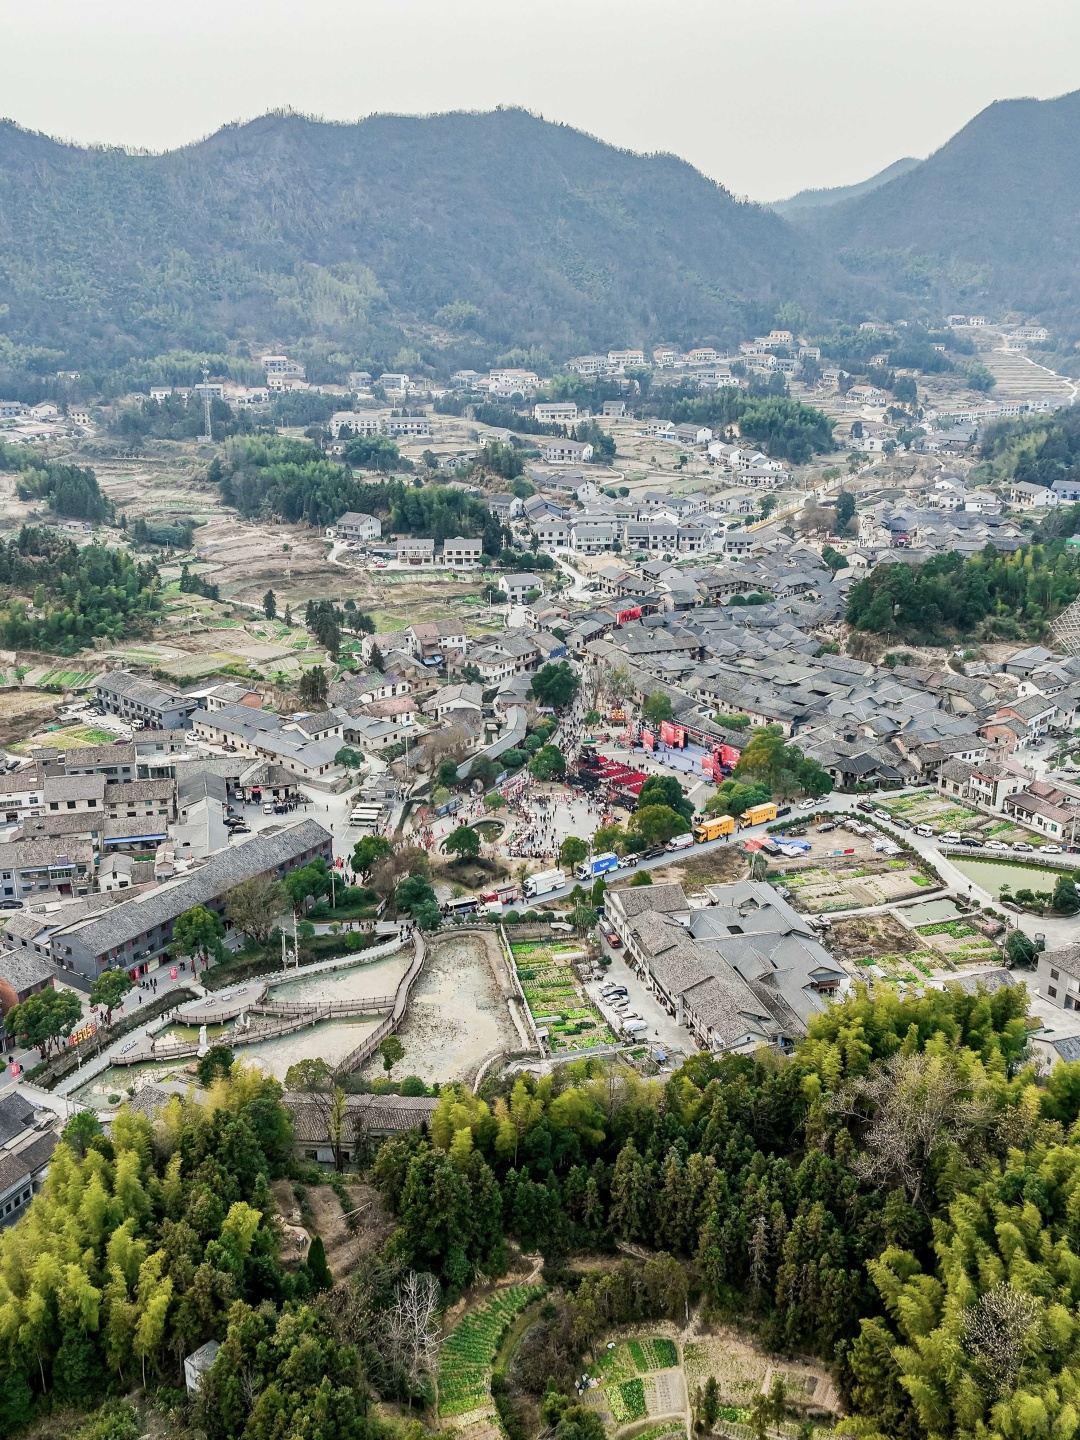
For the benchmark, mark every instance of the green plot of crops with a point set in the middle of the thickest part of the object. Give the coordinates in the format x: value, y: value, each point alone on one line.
x: 626, y: 1401
x: 654, y: 1354
x: 76, y: 735
x: 468, y: 1352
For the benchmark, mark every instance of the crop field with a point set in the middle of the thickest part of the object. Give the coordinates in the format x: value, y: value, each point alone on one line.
x: 73, y: 735
x: 468, y: 1352
x: 960, y: 943
x: 820, y: 889
x: 739, y: 1370
x: 655, y: 1354
x: 557, y: 1001
x: 897, y: 970
x: 626, y: 1401
x: 69, y: 679
x: 928, y: 807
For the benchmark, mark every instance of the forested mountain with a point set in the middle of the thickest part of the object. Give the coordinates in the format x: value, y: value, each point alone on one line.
x: 991, y: 219
x: 455, y: 229
x: 832, y: 195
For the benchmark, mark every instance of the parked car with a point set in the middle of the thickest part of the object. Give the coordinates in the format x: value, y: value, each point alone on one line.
x: 268, y: 808
x: 11, y: 904
x: 972, y: 840
x: 1049, y: 849
x: 829, y: 825
x: 613, y: 940
x: 883, y: 816
x: 240, y: 829
x: 864, y: 805
x: 627, y: 862
x: 653, y: 853
x: 997, y: 845
x: 952, y: 837
x: 1024, y: 847
x: 924, y: 830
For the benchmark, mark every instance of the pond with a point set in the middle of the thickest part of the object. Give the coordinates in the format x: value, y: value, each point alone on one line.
x: 991, y: 876
x: 330, y: 1039
x: 930, y: 912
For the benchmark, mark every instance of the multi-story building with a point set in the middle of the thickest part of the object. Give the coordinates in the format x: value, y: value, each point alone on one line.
x: 144, y: 702
x: 135, y: 935
x: 461, y: 553
x: 355, y: 525
x: 415, y: 552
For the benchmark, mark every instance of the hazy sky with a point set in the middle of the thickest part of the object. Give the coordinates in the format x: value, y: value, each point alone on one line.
x: 767, y: 96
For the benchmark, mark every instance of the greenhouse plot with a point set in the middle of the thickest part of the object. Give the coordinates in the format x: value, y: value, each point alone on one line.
x: 467, y: 1354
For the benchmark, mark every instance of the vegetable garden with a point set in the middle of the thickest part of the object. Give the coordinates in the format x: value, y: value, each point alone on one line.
x: 468, y: 1352
x: 556, y: 1000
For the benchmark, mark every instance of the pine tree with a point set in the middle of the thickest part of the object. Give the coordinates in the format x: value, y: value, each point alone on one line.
x: 316, y: 1263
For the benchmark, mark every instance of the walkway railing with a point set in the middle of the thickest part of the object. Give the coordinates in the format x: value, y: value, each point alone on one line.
x: 371, y: 1043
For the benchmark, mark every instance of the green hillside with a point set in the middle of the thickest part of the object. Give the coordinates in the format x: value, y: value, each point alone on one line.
x: 459, y: 235
x: 991, y: 220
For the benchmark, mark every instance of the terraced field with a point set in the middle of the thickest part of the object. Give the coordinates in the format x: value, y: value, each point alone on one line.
x: 469, y: 1350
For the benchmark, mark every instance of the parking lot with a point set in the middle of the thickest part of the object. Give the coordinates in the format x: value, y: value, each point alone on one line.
x: 663, y: 1031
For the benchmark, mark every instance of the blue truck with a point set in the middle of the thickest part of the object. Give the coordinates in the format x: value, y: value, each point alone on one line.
x: 597, y: 865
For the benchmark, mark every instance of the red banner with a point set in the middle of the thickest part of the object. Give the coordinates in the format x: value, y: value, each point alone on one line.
x: 672, y: 734
x: 634, y: 613
x: 729, y: 756
x: 709, y: 765
x: 648, y: 739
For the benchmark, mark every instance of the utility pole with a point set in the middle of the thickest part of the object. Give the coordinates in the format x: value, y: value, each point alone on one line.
x: 207, y: 438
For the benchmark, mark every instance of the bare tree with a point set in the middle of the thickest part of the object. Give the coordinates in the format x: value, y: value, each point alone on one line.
x: 412, y: 1328
x: 998, y: 1330
x: 913, y: 1107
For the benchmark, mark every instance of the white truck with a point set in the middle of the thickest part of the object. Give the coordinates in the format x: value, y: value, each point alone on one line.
x: 680, y: 842
x: 543, y: 883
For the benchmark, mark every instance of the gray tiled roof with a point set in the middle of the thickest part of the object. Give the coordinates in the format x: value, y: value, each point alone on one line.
x: 21, y: 1164
x: 222, y: 871
x: 16, y: 1115
x: 22, y: 969
x: 74, y: 787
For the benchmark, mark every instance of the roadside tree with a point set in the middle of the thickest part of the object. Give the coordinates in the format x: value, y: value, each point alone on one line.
x: 254, y: 906
x: 108, y: 991
x: 198, y: 933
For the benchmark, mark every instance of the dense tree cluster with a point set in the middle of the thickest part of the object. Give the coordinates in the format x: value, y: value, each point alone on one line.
x: 268, y: 475
x: 821, y: 1194
x: 1038, y: 449
x: 1014, y: 594
x: 58, y: 597
x: 140, y: 1244
x: 784, y: 428
x: 179, y: 417
x: 70, y: 490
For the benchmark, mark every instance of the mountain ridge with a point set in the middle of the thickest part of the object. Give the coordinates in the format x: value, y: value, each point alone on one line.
x: 517, y: 231
x: 833, y: 194
x: 992, y: 218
